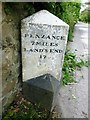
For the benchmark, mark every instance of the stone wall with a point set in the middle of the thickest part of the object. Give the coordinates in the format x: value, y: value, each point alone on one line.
x: 10, y: 57
x: 0, y: 61
x: 12, y: 13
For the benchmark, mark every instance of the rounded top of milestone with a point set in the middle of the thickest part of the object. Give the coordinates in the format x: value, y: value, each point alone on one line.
x: 44, y: 17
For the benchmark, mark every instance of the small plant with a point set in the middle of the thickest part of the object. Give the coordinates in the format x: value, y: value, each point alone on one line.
x: 21, y: 109
x: 83, y: 63
x: 69, y: 67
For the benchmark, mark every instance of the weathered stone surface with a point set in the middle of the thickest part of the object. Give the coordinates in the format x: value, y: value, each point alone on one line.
x: 44, y: 38
x: 0, y: 60
x: 10, y: 54
x: 41, y: 90
x: 10, y: 58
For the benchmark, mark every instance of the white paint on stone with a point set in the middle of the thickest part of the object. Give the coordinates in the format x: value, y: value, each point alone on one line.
x: 44, y: 38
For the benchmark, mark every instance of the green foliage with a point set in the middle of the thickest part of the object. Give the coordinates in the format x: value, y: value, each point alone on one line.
x: 22, y: 115
x: 8, y: 8
x: 67, y: 11
x: 21, y: 109
x: 20, y: 9
x: 29, y: 8
x: 70, y: 15
x: 69, y: 67
x: 85, y: 16
x: 83, y: 63
x: 88, y: 3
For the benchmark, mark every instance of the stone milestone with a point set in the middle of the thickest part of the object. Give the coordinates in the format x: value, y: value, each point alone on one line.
x: 44, y: 39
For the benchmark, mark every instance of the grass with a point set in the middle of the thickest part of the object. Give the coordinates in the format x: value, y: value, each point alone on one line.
x: 69, y: 67
x: 21, y: 109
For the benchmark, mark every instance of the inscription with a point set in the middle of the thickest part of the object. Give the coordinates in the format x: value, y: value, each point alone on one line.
x: 43, y: 50
x: 44, y: 43
x: 46, y: 37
